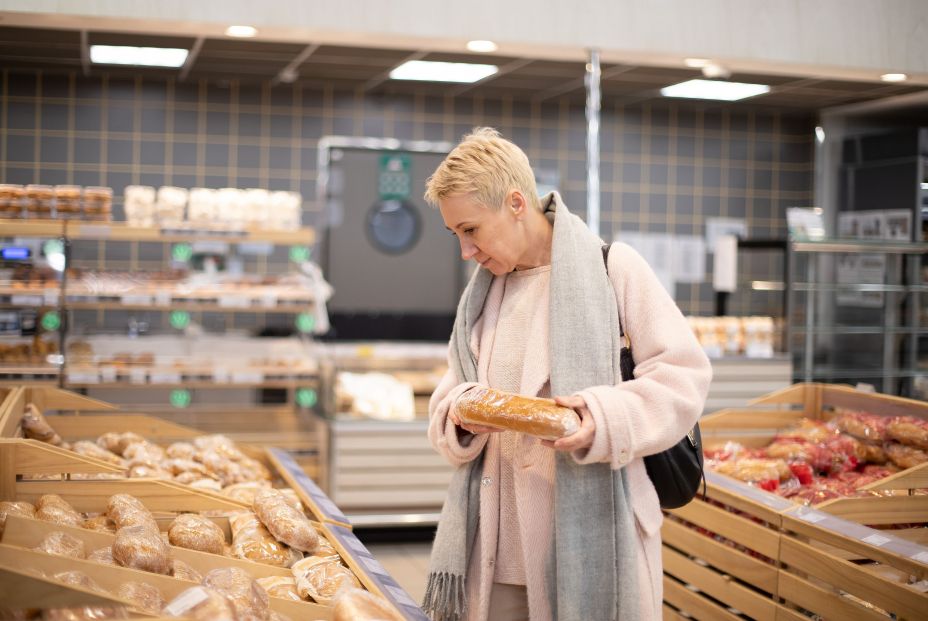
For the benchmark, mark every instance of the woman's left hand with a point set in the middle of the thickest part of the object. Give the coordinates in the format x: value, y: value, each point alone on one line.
x: 583, y: 438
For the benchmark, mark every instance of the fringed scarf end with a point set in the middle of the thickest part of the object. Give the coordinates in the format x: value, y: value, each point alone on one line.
x: 444, y: 597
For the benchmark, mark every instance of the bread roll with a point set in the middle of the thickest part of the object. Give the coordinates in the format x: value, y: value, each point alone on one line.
x: 245, y: 492
x: 283, y: 587
x: 126, y: 510
x: 180, y: 465
x: 140, y: 547
x: 100, y: 523
x: 183, y: 571
x: 91, y: 449
x: 11, y: 507
x: 908, y: 430
x: 104, y: 556
x: 143, y: 453
x: 252, y: 541
x: 145, y: 596
x: 201, y: 604
x: 54, y: 508
x: 250, y: 600
x: 534, y: 416
x: 219, y: 444
x: 35, y: 427
x: 284, y: 522
x: 354, y: 604
x: 62, y: 544
x: 196, y: 532
x: 319, y: 578
x: 905, y: 456
x: 118, y: 442
x: 181, y: 450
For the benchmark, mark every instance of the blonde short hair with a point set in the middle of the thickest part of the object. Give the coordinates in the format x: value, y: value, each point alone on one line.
x: 486, y: 166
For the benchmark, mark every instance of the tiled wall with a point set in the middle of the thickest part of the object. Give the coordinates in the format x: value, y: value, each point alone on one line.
x: 666, y: 166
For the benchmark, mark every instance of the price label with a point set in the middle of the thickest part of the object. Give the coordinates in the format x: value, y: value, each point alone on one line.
x: 234, y: 301
x: 222, y: 375
x: 26, y: 300
x: 813, y: 517
x: 137, y: 299
x: 138, y: 376
x: 921, y: 557
x: 107, y: 375
x: 247, y: 377
x: 876, y: 540
x: 165, y: 377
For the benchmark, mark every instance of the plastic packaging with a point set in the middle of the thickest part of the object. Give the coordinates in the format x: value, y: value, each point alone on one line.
x: 765, y: 473
x: 85, y: 613
x: 534, y: 416
x: 92, y: 449
x: 245, y: 492
x: 283, y: 587
x: 104, y: 556
x: 248, y: 597
x: 98, y: 203
x: 863, y: 426
x: 118, y: 442
x: 80, y: 579
x: 35, y: 427
x: 100, y: 523
x: 145, y: 596
x: 62, y: 544
x: 908, y: 430
x: 196, y: 532
x: 905, y: 456
x: 10, y: 507
x: 253, y: 542
x: 201, y: 604
x: 354, y: 604
x: 126, y: 510
x: 140, y: 547
x: 319, y: 578
x: 183, y: 571
x: 284, y: 522
x: 54, y: 508
x: 181, y: 450
x: 143, y: 453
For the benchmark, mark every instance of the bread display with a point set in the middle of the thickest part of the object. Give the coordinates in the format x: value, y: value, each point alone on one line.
x: 905, y: 456
x: 531, y: 415
x: 283, y: 587
x: 62, y: 544
x: 126, y: 511
x: 354, y: 604
x: 54, y: 508
x: 10, y: 507
x: 318, y: 578
x: 140, y: 547
x: 253, y: 542
x: 284, y: 522
x: 145, y: 596
x: 201, y: 604
x: 196, y: 532
x: 862, y: 425
x: 247, y: 596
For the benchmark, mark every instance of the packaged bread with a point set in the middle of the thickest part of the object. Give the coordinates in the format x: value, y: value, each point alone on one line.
x: 143, y: 453
x: 324, y: 548
x: 201, y: 604
x: 283, y: 587
x: 145, y: 596
x: 100, y: 523
x: 868, y: 452
x: 862, y: 425
x: 79, y: 578
x: 219, y: 444
x: 285, y: 523
x: 245, y: 492
x: 250, y: 600
x: 144, y: 471
x: 141, y: 547
x: 222, y: 468
x: 126, y: 510
x: 181, y: 450
x: 118, y: 442
x: 183, y: 571
x: 532, y: 415
x: 91, y: 449
x: 905, y: 456
x: 319, y: 578
x: 62, y: 544
x: 196, y: 532
x: 85, y: 613
x: 908, y: 430
x: 104, y: 556
x: 766, y: 473
x: 180, y: 465
x: 54, y: 508
x: 252, y: 541
x: 207, y: 484
x: 14, y: 507
x: 355, y: 604
x: 35, y: 427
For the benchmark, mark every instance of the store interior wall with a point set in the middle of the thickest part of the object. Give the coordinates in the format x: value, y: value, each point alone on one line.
x: 666, y: 166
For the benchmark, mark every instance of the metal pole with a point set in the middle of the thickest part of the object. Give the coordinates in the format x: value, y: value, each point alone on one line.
x: 593, y: 100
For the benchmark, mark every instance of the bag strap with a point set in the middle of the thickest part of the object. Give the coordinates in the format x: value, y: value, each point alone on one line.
x: 626, y: 360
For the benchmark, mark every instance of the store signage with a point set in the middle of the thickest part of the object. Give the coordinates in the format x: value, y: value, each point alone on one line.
x: 137, y: 299
x: 180, y: 319
x: 394, y: 181
x: 306, y: 397
x: 299, y: 254
x: 181, y: 252
x: 305, y: 322
x: 180, y: 398
x: 323, y: 503
x: 26, y: 300
x: 51, y: 321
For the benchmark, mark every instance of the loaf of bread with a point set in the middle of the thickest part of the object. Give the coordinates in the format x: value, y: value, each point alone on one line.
x: 181, y: 450
x: 284, y: 522
x: 91, y: 449
x: 126, y: 510
x: 80, y: 579
x: 183, y: 571
x: 13, y: 507
x: 104, y: 556
x: 145, y: 596
x: 201, y: 604
x: 252, y: 541
x: 355, y: 604
x: 144, y: 453
x: 100, y: 523
x: 196, y: 532
x: 283, y: 587
x: 535, y: 416
x: 908, y: 430
x: 141, y: 547
x: 35, y: 427
x: 62, y: 544
x: 245, y: 492
x: 905, y: 456
x: 250, y: 600
x: 319, y: 578
x: 54, y: 508
x: 118, y: 442
x: 862, y: 425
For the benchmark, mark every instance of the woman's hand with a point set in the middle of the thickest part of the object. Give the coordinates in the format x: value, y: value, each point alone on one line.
x: 583, y: 437
x: 474, y: 429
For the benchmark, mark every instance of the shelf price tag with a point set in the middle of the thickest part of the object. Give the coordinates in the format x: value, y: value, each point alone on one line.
x: 51, y: 298
x: 138, y: 376
x: 26, y: 300
x: 163, y: 298
x: 108, y: 375
x: 221, y: 375
x: 269, y: 300
x: 165, y: 377
x: 83, y: 376
x: 234, y: 301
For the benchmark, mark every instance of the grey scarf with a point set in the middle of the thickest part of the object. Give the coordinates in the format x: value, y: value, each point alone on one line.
x: 591, y: 575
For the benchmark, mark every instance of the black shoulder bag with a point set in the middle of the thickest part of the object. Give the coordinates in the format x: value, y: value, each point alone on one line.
x: 677, y: 471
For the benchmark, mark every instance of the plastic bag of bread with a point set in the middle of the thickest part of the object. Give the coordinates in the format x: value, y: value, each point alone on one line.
x: 14, y: 507
x: 196, y: 532
x: 283, y: 587
x: 532, y: 415
x: 183, y: 571
x: 908, y: 430
x: 144, y: 453
x: 866, y: 452
x: 245, y: 492
x: 248, y: 597
x: 145, y: 596
x: 219, y: 444
x: 117, y: 442
x: 54, y: 508
x: 905, y: 456
x: 140, y: 547
x: 208, y: 484
x: 285, y: 523
x: 91, y: 449
x: 85, y: 613
x: 319, y: 578
x: 252, y: 541
x: 862, y: 425
x: 179, y: 465
x: 126, y: 510
x: 181, y: 450
x: 222, y: 468
x: 765, y: 473
x: 62, y: 544
x: 201, y: 604
x: 355, y: 604
x: 144, y: 471
x: 100, y: 523
x: 79, y: 578
x: 324, y: 548
x: 35, y: 427
x: 104, y: 556
x: 253, y: 470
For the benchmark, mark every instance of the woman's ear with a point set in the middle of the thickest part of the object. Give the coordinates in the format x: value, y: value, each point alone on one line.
x: 517, y: 203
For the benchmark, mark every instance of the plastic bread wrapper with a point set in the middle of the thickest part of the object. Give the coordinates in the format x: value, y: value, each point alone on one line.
x: 252, y: 541
x: 249, y: 598
x: 354, y: 604
x: 538, y: 417
x: 140, y: 547
x: 286, y: 523
x: 196, y: 532
x: 283, y: 587
x: 201, y: 604
x: 145, y: 596
x: 319, y: 578
x: 62, y: 544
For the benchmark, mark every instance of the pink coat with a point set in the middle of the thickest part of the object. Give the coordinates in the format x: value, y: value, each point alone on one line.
x: 632, y: 419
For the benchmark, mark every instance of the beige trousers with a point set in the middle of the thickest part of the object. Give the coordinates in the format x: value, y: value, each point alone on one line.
x: 508, y: 602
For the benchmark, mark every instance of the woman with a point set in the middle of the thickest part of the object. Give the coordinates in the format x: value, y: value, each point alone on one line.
x: 531, y: 529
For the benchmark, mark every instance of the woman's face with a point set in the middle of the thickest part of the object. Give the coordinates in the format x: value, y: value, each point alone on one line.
x: 494, y: 238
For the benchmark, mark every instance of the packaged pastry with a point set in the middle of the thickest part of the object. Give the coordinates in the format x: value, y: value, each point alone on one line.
x: 85, y: 613
x: 79, y: 578
x: 250, y: 600
x: 118, y: 442
x: 62, y: 544
x: 908, y: 430
x: 765, y: 473
x: 221, y: 467
x: 54, y: 508
x: 245, y: 492
x: 181, y: 450
x: 284, y: 522
x: 183, y: 571
x: 196, y: 532
x: 203, y: 483
x: 140, y: 547
x: 201, y: 604
x: 35, y: 427
x: 39, y: 201
x: 319, y: 578
x: 143, y: 471
x: 253, y: 542
x: 98, y: 203
x: 99, y: 523
x: 92, y: 449
x: 905, y: 456
x: 145, y: 596
x: 11, y: 200
x: 126, y: 510
x: 283, y: 587
x: 355, y: 604
x: 220, y: 444
x: 144, y: 453
x: 104, y: 556
x: 68, y: 201
x: 139, y: 205
x: 13, y: 507
x: 535, y: 416
x: 862, y: 425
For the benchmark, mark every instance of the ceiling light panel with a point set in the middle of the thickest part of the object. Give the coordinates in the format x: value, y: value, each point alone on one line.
x: 714, y: 89
x: 241, y: 31
x: 429, y: 71
x: 138, y: 56
x: 482, y: 46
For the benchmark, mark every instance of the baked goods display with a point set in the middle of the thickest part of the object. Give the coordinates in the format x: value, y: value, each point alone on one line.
x: 54, y: 508
x: 140, y: 547
x: 62, y: 544
x: 253, y: 542
x: 531, y: 415
x: 201, y: 604
x: 196, y: 532
x: 69, y: 202
x: 247, y: 596
x: 35, y: 427
x: 753, y: 337
x: 283, y: 521
x: 380, y: 396
x: 34, y: 351
x: 320, y: 577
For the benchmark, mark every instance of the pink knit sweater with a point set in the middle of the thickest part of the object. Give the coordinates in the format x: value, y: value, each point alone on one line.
x: 632, y: 419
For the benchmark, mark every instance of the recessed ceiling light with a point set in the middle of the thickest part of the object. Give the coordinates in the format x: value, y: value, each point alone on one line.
x: 428, y: 71
x: 482, y: 46
x: 241, y: 31
x: 696, y: 63
x: 714, y: 89
x: 820, y: 134
x: 894, y: 77
x: 138, y: 56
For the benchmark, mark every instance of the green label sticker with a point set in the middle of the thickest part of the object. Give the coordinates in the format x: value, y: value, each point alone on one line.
x: 306, y: 397
x: 180, y: 398
x: 394, y: 181
x: 51, y: 321
x: 180, y: 319
x: 182, y: 252
x: 305, y: 322
x: 299, y: 254
x: 53, y: 246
